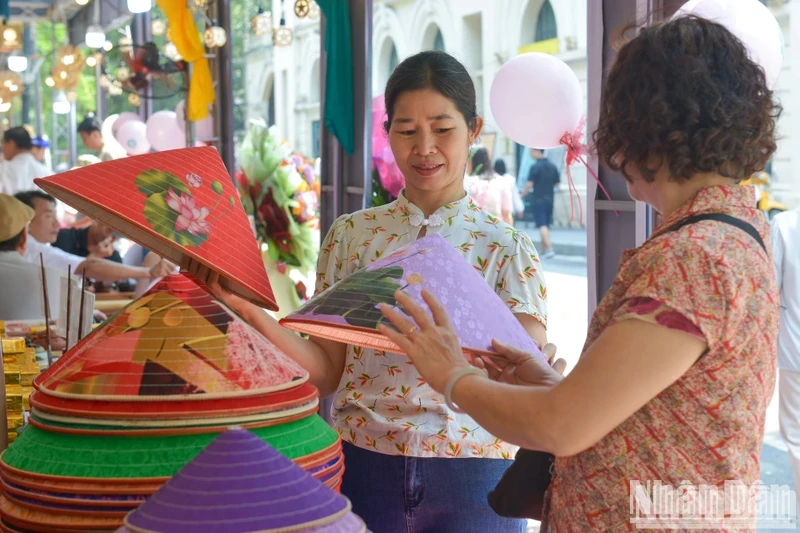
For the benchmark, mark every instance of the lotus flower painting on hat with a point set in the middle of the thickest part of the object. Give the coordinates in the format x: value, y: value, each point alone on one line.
x: 176, y: 342
x: 348, y: 311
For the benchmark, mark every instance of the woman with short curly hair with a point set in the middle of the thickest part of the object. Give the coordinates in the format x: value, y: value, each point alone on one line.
x: 679, y: 363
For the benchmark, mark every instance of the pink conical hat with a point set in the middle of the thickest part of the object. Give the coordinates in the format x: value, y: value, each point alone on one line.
x: 347, y: 311
x: 176, y: 342
x: 239, y: 484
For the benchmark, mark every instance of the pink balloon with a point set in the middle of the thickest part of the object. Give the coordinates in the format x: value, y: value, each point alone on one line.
x: 133, y: 137
x: 753, y: 23
x: 536, y: 98
x: 203, y: 129
x: 127, y: 116
x: 163, y: 132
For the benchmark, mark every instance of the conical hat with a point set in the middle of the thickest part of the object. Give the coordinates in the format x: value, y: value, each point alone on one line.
x: 176, y: 342
x: 347, y: 311
x: 178, y: 203
x: 239, y: 484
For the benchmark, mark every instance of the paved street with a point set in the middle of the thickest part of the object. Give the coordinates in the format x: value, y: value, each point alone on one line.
x: 567, y: 301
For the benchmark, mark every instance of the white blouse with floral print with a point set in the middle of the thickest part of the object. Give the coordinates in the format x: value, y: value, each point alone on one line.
x: 382, y: 403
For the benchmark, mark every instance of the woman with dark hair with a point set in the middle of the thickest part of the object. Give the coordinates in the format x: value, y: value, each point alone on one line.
x: 679, y: 363
x: 412, y: 463
x: 511, y: 183
x: 487, y: 189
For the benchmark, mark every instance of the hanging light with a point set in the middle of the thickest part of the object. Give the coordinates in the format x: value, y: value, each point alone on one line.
x: 61, y: 105
x: 215, y: 36
x: 301, y: 8
x: 49, y: 81
x: 262, y: 22
x: 91, y: 61
x: 108, y: 46
x: 140, y: 6
x: 313, y: 10
x: 171, y: 51
x: 81, y: 2
x: 282, y: 36
x: 5, y: 107
x: 17, y: 62
x: 158, y: 27
x: 95, y: 36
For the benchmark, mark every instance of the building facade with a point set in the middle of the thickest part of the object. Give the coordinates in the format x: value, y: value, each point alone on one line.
x: 283, y: 82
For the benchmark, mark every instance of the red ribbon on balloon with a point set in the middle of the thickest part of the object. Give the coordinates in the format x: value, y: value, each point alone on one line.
x: 576, y: 149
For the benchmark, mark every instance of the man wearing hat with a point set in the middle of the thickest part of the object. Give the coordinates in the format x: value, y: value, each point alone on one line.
x: 20, y: 281
x: 39, y: 150
x: 20, y: 167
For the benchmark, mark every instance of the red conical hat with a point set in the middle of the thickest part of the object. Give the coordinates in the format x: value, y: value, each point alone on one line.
x: 180, y: 204
x: 177, y: 342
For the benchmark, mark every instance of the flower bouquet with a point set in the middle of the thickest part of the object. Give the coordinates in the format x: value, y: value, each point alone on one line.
x: 280, y: 191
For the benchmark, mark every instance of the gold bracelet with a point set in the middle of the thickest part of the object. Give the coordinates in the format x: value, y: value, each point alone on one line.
x: 451, y: 383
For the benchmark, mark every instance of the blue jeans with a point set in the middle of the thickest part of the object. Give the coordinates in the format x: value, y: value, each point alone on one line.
x: 395, y: 494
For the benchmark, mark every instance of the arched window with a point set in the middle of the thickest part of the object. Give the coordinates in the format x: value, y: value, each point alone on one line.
x: 393, y: 59
x: 438, y: 41
x: 546, y: 23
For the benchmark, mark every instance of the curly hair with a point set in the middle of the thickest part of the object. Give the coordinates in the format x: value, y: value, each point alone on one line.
x: 685, y: 94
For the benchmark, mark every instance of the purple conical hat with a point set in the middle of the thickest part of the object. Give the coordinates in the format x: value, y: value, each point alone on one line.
x: 347, y: 311
x: 239, y: 484
x: 349, y: 523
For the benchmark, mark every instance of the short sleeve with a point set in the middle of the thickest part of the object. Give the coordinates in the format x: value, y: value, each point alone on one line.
x: 687, y: 278
x: 521, y: 280
x: 333, y: 257
x: 655, y: 312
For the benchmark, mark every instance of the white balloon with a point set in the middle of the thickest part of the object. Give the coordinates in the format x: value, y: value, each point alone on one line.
x: 536, y: 99
x: 752, y: 22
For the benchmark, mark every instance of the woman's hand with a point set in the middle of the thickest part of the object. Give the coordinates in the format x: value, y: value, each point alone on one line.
x: 434, y: 348
x: 522, y: 368
x: 210, y: 279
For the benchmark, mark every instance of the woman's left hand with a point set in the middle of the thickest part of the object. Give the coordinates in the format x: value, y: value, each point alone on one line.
x: 431, y: 344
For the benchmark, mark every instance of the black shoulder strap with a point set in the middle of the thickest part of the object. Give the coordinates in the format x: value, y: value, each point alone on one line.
x: 725, y: 219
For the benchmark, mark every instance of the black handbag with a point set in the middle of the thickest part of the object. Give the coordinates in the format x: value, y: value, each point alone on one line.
x: 520, y: 492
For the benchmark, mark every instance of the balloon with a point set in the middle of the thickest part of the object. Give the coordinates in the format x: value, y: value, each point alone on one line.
x: 750, y: 21
x: 163, y: 132
x: 203, y: 129
x: 536, y: 99
x: 133, y: 137
x: 107, y: 130
x: 122, y: 119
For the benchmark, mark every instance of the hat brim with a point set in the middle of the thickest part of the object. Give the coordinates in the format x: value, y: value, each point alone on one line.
x: 183, y: 410
x: 147, y: 459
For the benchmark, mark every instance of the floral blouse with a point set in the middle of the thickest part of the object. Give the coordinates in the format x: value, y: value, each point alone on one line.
x: 707, y: 279
x: 382, y: 403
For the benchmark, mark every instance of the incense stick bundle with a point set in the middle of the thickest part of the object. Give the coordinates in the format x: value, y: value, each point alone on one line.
x: 69, y: 304
x: 46, y: 312
x: 83, y: 299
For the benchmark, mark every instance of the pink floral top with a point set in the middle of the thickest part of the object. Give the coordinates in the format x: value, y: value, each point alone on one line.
x: 711, y: 280
x: 382, y: 403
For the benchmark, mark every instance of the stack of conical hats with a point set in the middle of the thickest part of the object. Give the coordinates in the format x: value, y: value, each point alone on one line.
x: 132, y: 403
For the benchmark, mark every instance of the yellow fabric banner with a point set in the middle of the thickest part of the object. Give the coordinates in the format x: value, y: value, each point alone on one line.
x: 186, y: 38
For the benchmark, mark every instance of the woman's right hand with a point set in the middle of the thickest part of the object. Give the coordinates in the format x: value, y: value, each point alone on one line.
x: 210, y: 279
x: 522, y: 368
